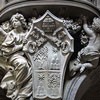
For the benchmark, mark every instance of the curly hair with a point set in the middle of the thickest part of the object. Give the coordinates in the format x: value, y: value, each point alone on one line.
x: 19, y: 17
x: 96, y: 24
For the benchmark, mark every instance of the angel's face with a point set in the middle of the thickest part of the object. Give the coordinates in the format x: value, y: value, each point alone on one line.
x: 96, y: 27
x: 16, y: 23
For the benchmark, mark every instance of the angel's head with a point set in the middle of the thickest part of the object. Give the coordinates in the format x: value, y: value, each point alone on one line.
x: 18, y: 20
x: 96, y: 25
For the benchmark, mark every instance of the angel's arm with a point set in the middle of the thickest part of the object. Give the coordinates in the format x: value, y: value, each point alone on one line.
x: 14, y: 49
x: 17, y: 47
x: 88, y: 31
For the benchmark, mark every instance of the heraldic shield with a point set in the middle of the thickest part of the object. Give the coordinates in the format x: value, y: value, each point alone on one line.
x: 50, y: 48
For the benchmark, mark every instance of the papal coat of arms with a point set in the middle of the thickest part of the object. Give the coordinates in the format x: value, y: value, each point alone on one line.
x: 54, y: 46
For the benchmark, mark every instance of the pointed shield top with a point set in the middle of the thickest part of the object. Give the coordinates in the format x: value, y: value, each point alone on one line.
x: 48, y: 22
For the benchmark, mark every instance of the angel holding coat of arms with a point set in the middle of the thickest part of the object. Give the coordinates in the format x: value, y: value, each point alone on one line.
x: 12, y: 50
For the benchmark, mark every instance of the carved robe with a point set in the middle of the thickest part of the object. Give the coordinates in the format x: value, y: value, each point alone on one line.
x: 89, y: 55
x: 18, y: 80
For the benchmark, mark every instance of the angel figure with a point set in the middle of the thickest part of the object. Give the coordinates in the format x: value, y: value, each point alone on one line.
x: 88, y: 57
x: 18, y: 79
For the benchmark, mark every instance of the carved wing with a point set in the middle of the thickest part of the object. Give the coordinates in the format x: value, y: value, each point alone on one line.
x: 2, y: 36
x: 5, y: 27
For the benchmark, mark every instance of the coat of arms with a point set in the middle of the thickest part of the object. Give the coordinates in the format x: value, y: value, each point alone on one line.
x: 54, y: 46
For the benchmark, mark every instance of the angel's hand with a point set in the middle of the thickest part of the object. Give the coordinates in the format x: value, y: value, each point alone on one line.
x: 25, y: 41
x: 82, y: 68
x: 84, y: 18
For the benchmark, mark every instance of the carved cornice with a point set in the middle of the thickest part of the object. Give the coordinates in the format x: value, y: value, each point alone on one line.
x: 77, y: 7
